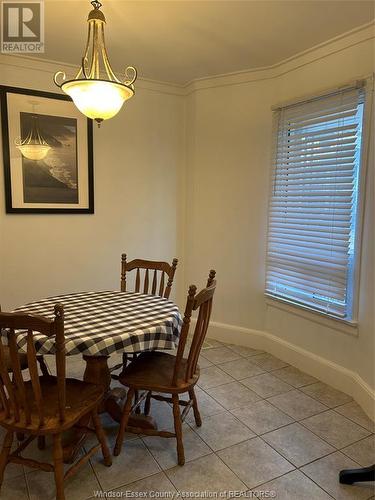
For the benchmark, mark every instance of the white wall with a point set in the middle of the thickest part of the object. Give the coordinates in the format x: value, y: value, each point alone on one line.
x: 355, y: 351
x: 227, y: 192
x: 185, y: 172
x: 228, y: 177
x: 137, y: 164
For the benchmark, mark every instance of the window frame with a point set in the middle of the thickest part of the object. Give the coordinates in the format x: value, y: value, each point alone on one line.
x: 367, y: 84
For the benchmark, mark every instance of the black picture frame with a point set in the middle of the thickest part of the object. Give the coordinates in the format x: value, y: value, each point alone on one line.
x: 10, y: 209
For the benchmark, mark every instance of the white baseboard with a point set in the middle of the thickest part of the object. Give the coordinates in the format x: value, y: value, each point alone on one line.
x: 327, y: 371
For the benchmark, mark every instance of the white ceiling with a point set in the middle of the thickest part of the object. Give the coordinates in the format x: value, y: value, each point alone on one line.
x: 178, y: 41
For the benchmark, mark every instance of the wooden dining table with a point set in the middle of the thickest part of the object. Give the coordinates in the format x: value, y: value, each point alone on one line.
x: 99, y: 324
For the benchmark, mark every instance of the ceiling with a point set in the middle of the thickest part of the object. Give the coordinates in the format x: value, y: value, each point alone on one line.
x: 178, y: 41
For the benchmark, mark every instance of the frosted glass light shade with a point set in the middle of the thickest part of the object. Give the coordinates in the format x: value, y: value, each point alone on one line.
x: 97, y: 99
x: 34, y: 151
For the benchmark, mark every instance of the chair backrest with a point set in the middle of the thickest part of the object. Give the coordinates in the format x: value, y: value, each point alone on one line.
x: 15, y: 403
x: 154, y: 285
x: 203, y: 303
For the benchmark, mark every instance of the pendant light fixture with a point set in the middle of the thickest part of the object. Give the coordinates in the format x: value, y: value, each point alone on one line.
x: 96, y: 97
x: 33, y: 147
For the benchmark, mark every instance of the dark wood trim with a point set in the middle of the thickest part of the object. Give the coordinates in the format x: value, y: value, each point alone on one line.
x: 4, y: 90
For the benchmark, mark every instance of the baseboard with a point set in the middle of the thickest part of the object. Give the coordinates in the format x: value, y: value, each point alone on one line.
x: 327, y: 371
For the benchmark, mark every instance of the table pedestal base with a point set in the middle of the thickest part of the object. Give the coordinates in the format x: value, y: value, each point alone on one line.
x: 97, y: 372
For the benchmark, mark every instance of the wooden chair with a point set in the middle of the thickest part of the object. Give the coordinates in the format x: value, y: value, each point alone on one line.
x: 44, y: 405
x: 24, y: 366
x: 161, y: 285
x: 157, y: 286
x: 23, y: 360
x: 168, y: 375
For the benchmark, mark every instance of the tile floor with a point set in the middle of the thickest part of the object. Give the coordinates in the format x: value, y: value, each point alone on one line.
x: 267, y: 427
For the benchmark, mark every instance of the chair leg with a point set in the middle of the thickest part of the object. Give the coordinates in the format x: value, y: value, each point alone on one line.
x: 7, y: 445
x: 101, y: 438
x: 148, y: 403
x: 124, y: 422
x: 178, y: 429
x: 58, y: 466
x: 41, y: 442
x: 197, y: 415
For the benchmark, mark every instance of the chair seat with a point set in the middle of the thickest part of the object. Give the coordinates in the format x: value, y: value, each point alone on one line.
x: 22, y: 358
x: 153, y: 371
x: 81, y: 398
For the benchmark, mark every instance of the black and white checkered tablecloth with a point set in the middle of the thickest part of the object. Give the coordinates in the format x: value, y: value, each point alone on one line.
x: 101, y: 323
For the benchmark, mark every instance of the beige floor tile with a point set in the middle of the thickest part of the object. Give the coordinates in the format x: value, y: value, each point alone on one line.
x: 241, y: 368
x: 244, y: 351
x: 297, y: 405
x: 134, y: 462
x: 268, y: 362
x: 262, y: 417
x: 326, y: 394
x: 220, y: 355
x: 233, y: 395
x: 223, y: 430
x: 207, y: 405
x: 266, y: 385
x: 12, y: 471
x: 294, y: 377
x: 336, y: 429
x: 204, y: 362
x: 293, y: 486
x: 15, y: 488
x: 250, y: 462
x: 32, y: 451
x: 111, y: 430
x: 79, y: 487
x: 354, y: 412
x: 211, y: 343
x: 325, y: 473
x: 164, y: 449
x: 255, y: 462
x: 205, y: 474
x: 362, y: 452
x: 212, y: 377
x: 297, y: 444
x: 158, y: 483
x: 162, y: 413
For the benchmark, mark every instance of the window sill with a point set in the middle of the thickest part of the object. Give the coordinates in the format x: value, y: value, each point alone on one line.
x: 342, y: 325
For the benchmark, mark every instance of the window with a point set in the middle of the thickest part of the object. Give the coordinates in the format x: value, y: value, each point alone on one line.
x: 313, y: 215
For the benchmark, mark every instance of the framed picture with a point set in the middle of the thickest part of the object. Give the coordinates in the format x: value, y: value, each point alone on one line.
x: 47, y: 153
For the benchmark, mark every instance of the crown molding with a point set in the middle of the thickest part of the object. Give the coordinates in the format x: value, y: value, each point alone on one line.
x: 356, y: 36
x: 50, y: 66
x: 339, y: 43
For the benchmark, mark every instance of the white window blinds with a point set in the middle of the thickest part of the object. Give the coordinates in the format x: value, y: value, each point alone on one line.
x: 313, y: 203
